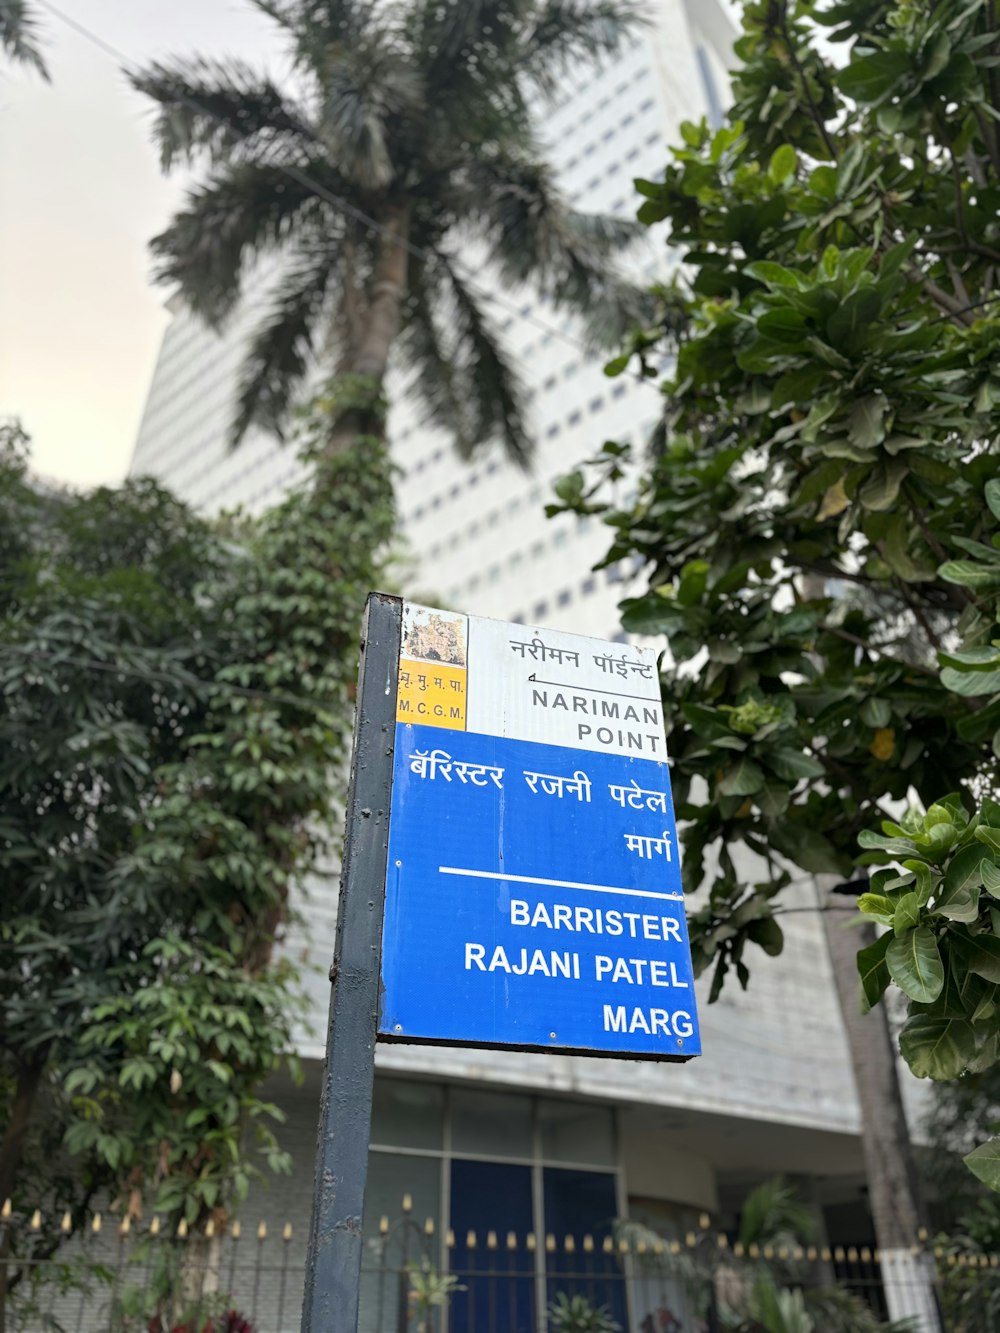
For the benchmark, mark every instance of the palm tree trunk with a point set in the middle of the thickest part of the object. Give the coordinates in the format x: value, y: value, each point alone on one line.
x: 893, y: 1188
x: 365, y: 362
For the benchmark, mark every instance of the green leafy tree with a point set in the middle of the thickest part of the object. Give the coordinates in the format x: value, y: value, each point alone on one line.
x: 410, y: 131
x: 815, y: 515
x: 175, y: 719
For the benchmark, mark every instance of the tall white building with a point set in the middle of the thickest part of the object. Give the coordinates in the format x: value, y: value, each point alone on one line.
x: 544, y: 1139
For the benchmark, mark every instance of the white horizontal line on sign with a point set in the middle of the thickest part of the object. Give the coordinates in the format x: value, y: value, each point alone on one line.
x: 560, y: 883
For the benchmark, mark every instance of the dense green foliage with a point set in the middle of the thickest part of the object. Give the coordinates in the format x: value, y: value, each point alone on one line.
x: 815, y: 517
x: 175, y: 720
x: 407, y: 126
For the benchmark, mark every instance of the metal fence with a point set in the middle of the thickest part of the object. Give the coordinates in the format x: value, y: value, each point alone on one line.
x: 123, y: 1278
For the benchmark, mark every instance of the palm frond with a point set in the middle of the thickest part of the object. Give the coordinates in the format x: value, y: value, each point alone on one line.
x: 449, y: 31
x: 430, y: 354
x: 835, y: 1310
x: 238, y: 215
x: 493, y: 387
x: 18, y: 35
x: 533, y: 237
x: 280, y: 351
x: 364, y: 85
x: 469, y: 53
x: 314, y: 25
x: 214, y: 106
x: 773, y: 1212
x: 565, y: 33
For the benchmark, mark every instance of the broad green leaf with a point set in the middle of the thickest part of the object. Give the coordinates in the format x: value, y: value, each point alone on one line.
x: 979, y: 953
x: 965, y: 869
x: 924, y: 880
x: 783, y: 163
x: 878, y: 906
x: 992, y: 494
x: 775, y: 275
x: 742, y: 779
x: 957, y: 904
x: 988, y: 835
x: 991, y: 878
x: 772, y: 799
x: 873, y: 972
x: 907, y: 913
x: 984, y: 1163
x: 970, y: 683
x: 789, y: 764
x: 881, y: 489
x: 691, y: 586
x: 980, y: 658
x: 767, y: 933
x: 869, y: 79
x: 869, y: 839
x: 969, y: 573
x: 937, y: 1048
x: 915, y: 965
x: 864, y: 420
x: 876, y: 712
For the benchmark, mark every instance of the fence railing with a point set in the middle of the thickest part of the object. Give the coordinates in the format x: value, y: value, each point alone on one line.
x: 121, y: 1277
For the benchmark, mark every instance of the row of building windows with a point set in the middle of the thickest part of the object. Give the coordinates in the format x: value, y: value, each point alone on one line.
x: 618, y: 572
x: 591, y: 148
x: 599, y: 70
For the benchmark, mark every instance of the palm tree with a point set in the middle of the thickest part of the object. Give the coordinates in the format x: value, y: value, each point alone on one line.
x: 411, y: 135
x: 18, y: 40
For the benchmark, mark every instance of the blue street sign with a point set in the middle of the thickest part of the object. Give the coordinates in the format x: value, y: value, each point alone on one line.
x: 533, y: 891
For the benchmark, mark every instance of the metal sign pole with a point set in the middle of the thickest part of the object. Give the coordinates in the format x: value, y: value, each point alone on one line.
x: 333, y: 1272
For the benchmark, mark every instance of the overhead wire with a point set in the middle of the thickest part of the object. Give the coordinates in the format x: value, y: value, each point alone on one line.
x: 345, y: 205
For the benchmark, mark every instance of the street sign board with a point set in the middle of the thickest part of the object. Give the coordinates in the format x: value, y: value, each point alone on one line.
x: 533, y: 895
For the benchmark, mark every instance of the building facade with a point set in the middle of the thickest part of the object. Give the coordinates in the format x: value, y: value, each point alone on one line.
x: 541, y: 1143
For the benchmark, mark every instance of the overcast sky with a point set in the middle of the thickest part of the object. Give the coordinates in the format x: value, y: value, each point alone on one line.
x: 80, y: 319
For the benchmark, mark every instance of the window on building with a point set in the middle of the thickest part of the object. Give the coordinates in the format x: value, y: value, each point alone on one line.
x: 474, y: 1161
x: 574, y: 418
x: 553, y: 431
x: 619, y: 389
x: 564, y: 598
x: 596, y: 404
x: 588, y: 586
x: 541, y: 610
